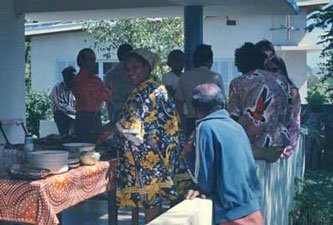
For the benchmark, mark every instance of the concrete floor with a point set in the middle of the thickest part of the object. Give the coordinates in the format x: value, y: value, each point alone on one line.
x: 92, y: 212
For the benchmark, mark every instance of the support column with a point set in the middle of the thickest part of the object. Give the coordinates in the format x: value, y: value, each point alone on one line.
x: 12, y: 81
x: 193, y: 32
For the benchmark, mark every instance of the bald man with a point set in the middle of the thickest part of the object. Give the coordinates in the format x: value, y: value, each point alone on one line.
x: 224, y: 165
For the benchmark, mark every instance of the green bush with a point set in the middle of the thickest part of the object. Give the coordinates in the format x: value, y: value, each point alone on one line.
x: 313, y: 200
x: 318, y: 96
x: 38, y: 107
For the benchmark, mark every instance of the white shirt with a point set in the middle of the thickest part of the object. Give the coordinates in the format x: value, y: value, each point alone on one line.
x: 192, y: 78
x: 170, y: 79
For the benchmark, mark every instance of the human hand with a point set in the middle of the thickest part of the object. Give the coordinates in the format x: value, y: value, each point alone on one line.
x: 192, y: 194
x: 189, y: 146
x: 103, y: 137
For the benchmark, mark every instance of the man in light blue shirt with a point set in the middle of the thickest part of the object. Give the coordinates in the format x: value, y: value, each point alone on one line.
x: 224, y: 165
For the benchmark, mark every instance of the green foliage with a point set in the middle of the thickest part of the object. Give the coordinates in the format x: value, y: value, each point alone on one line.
x: 326, y: 68
x: 105, y: 114
x: 323, y: 19
x: 27, y: 65
x: 38, y: 107
x: 313, y: 200
x: 313, y: 81
x: 317, y: 97
x: 159, y: 35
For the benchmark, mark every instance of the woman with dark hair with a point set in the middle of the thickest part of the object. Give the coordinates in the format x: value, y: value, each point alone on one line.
x: 150, y: 139
x: 258, y: 101
x: 89, y: 93
x: 276, y: 64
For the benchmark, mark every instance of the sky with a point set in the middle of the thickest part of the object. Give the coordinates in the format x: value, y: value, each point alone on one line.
x: 313, y: 58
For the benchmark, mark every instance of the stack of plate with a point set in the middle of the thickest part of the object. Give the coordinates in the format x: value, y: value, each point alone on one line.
x: 56, y: 161
x: 82, y: 147
x: 73, y: 163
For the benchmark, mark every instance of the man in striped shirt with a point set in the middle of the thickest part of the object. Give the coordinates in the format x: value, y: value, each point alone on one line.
x: 62, y: 102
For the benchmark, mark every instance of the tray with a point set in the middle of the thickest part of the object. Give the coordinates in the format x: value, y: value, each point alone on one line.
x: 27, y: 173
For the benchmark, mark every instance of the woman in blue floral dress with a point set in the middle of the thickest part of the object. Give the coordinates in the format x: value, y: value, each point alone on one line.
x: 150, y: 138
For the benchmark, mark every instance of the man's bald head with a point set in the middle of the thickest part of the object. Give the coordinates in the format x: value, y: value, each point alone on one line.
x: 207, y: 98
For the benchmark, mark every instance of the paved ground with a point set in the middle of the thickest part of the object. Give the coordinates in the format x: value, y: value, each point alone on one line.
x: 93, y: 212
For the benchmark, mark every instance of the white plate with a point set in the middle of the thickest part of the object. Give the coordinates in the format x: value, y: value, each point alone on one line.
x: 80, y: 146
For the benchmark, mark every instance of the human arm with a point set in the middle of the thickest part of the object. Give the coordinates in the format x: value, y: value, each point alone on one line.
x: 100, y: 92
x: 179, y: 98
x: 204, y: 166
x: 294, y: 126
x: 234, y: 102
x: 130, y: 124
x: 220, y: 83
x: 205, y: 159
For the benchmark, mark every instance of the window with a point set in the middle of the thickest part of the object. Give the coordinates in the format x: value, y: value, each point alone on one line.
x: 107, y: 66
x: 101, y: 67
x: 60, y: 65
x: 96, y: 69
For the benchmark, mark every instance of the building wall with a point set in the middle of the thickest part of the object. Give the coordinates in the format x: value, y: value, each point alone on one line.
x: 296, y: 65
x: 225, y: 39
x: 51, y: 53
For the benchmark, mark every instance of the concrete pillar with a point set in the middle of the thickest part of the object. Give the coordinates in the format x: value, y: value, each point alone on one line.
x: 193, y: 32
x: 12, y: 82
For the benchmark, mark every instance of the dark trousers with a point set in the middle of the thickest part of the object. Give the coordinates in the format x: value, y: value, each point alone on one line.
x: 88, y: 126
x: 190, y: 126
x: 63, y: 122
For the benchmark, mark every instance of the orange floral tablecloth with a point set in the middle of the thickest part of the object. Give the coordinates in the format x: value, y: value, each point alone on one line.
x: 38, y: 202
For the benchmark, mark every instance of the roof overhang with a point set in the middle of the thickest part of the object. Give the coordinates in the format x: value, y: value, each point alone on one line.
x: 47, y: 30
x: 43, y: 10
x: 312, y: 5
x: 310, y: 48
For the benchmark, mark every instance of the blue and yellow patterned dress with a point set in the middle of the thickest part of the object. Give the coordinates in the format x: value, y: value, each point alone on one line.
x: 151, y: 147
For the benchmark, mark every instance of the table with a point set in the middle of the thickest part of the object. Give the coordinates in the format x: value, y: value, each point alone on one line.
x: 39, y: 202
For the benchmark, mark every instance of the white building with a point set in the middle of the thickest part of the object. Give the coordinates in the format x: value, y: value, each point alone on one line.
x: 249, y: 20
x: 56, y: 45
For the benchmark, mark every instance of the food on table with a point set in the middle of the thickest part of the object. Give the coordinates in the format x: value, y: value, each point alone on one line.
x: 90, y: 158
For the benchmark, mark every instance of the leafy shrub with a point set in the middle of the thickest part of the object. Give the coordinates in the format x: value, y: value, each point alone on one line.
x: 313, y: 200
x: 160, y: 35
x: 38, y: 107
x: 318, y: 96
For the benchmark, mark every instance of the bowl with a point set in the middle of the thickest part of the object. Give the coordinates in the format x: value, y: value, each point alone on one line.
x: 54, y: 160
x: 90, y: 158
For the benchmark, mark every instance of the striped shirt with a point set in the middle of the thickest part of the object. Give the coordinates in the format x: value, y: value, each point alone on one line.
x: 62, y: 99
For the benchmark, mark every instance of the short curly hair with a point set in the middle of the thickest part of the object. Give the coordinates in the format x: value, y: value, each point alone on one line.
x: 202, y: 54
x: 123, y: 50
x: 265, y: 45
x: 249, y: 57
x: 174, y: 55
x: 82, y: 55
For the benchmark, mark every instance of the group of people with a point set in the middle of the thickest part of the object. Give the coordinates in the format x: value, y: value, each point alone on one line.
x: 179, y: 136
